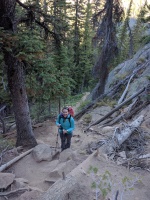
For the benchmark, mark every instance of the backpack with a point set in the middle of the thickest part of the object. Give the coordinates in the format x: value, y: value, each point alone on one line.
x: 71, y: 111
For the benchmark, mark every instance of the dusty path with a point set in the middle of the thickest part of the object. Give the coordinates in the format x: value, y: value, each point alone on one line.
x: 37, y: 174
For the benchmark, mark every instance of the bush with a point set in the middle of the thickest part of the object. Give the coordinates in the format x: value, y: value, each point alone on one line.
x: 6, y: 143
x: 87, y: 118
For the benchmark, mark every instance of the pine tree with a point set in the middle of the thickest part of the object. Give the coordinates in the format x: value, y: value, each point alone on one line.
x: 125, y: 37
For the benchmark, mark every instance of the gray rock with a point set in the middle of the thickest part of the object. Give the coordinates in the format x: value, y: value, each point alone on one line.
x: 126, y: 68
x: 6, y: 179
x: 66, y: 155
x: 100, y: 112
x: 64, y: 167
x: 28, y: 195
x: 42, y: 152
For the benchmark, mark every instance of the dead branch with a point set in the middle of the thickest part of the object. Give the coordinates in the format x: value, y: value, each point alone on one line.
x: 13, y: 192
x: 3, y: 125
x: 115, y: 109
x: 125, y: 91
x: 121, y: 135
x: 2, y: 108
x: 112, y: 92
x: 145, y: 156
x: 128, y: 114
x: 6, y: 165
x: 84, y: 110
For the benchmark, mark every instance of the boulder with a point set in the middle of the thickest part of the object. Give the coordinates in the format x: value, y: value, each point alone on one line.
x: 127, y: 67
x: 108, y: 130
x: 6, y: 179
x: 66, y: 155
x: 43, y: 152
x: 64, y: 167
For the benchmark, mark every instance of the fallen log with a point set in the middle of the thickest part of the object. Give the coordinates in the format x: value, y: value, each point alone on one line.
x: 84, y: 110
x: 115, y: 109
x: 112, y: 92
x: 8, y: 164
x: 128, y: 114
x: 63, y: 187
x: 125, y: 91
x: 121, y: 135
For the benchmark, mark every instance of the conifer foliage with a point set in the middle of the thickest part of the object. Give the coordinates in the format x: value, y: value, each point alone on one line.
x: 49, y: 49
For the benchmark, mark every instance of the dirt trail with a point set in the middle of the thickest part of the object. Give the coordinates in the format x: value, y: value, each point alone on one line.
x: 38, y: 173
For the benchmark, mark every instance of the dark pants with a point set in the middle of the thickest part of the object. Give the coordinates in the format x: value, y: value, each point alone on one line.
x: 65, y: 140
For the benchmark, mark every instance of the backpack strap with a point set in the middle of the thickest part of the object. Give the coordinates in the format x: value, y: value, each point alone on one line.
x: 69, y: 120
x: 61, y: 116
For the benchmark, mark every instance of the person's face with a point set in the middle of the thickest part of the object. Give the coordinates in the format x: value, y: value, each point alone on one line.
x: 65, y: 112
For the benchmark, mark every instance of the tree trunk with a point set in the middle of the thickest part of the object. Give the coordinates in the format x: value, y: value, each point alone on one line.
x: 16, y: 83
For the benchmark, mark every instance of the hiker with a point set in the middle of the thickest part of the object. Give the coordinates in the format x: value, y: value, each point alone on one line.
x: 65, y: 124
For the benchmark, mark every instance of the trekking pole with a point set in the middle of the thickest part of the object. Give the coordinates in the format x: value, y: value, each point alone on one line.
x: 56, y: 142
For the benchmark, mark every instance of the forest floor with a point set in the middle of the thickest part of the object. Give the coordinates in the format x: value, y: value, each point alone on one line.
x: 133, y: 184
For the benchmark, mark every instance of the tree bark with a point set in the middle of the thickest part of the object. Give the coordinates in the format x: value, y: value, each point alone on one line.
x: 15, y: 75
x: 16, y: 83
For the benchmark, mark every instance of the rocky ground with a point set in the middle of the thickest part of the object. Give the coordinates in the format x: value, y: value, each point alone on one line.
x: 99, y: 178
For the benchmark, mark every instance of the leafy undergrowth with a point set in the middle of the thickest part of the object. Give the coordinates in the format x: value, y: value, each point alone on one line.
x: 6, y: 143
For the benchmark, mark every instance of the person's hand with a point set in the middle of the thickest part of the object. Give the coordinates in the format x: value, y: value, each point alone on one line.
x: 64, y: 131
x: 59, y: 125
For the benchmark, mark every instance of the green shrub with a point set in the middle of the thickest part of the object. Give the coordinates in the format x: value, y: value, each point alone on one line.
x: 73, y: 100
x: 83, y: 104
x: 105, y: 102
x: 4, y: 143
x: 103, y: 184
x: 87, y: 118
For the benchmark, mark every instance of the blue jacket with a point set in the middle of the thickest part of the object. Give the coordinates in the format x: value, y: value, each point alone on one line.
x: 65, y: 123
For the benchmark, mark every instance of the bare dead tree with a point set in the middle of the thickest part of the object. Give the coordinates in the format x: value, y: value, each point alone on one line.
x: 106, y: 35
